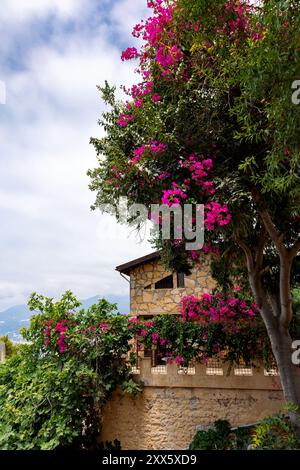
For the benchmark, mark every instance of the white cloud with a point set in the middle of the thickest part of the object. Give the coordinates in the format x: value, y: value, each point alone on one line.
x: 125, y: 14
x: 49, y: 239
x: 14, y: 11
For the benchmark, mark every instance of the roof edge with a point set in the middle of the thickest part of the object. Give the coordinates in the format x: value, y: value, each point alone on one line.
x: 127, y: 267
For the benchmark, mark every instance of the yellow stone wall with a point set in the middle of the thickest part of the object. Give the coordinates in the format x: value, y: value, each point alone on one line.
x: 156, y: 301
x: 165, y: 416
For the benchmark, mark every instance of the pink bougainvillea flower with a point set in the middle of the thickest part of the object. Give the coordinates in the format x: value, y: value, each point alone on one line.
x: 125, y: 119
x: 154, y: 337
x: 130, y: 53
x: 194, y: 255
x: 156, y: 98
x: 179, y: 360
x: 138, y: 153
x: 164, y: 175
x: 138, y: 103
x: 157, y: 147
x: 173, y: 197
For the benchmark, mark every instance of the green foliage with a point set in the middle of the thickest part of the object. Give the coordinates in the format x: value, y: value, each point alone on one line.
x: 241, y: 438
x: 272, y: 433
x: 275, y: 433
x: 52, y: 392
x: 296, y: 300
x: 216, y: 438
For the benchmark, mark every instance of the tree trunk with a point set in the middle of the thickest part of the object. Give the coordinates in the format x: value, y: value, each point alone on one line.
x: 277, y: 314
x: 281, y: 343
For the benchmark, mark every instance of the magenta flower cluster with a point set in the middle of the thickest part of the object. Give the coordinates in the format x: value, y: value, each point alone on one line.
x: 236, y: 21
x: 173, y: 197
x: 129, y: 54
x: 216, y: 214
x: 58, y: 333
x: 199, y: 170
x: 155, y: 148
x: 125, y: 119
x: 218, y: 307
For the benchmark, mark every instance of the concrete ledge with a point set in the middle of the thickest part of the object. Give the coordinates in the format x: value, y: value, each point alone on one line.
x: 171, y: 378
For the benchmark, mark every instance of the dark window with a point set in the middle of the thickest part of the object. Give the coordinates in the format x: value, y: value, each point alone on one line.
x: 165, y: 283
x: 148, y: 353
x: 157, y: 358
x: 180, y: 279
x: 148, y: 287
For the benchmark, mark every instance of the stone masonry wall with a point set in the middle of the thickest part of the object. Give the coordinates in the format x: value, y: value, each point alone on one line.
x: 153, y: 301
x: 165, y: 416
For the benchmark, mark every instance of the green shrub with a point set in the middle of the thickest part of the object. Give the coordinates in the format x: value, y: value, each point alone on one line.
x: 52, y: 392
x: 240, y: 439
x: 221, y: 437
x: 275, y: 433
x: 216, y: 438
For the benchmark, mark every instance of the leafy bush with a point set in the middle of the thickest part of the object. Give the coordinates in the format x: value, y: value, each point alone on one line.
x: 275, y: 433
x: 241, y: 438
x: 216, y: 438
x: 222, y: 437
x: 52, y: 392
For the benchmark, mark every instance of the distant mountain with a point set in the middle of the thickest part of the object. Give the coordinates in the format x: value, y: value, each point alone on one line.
x: 12, y: 319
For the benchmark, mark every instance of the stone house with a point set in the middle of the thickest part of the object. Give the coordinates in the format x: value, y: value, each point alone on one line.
x: 154, y: 290
x: 176, y: 401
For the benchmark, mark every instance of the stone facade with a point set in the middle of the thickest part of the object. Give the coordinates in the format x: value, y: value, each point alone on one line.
x: 145, y: 299
x: 2, y: 351
x: 171, y: 407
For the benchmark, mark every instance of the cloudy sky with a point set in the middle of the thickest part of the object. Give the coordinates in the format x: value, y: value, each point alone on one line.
x: 52, y: 55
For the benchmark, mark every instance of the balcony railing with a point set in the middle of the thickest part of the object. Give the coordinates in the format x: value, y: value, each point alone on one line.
x: 213, y: 375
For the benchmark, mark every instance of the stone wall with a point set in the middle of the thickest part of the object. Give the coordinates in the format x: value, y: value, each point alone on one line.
x: 2, y: 351
x: 153, y: 301
x: 165, y: 416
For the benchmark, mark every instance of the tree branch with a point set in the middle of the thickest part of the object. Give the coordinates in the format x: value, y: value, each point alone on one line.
x: 276, y: 237
x: 286, y: 259
x: 259, y: 251
x: 254, y: 274
x: 248, y: 253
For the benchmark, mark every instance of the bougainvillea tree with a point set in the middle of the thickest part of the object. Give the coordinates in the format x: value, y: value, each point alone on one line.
x: 212, y: 121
